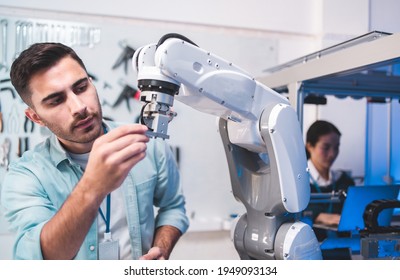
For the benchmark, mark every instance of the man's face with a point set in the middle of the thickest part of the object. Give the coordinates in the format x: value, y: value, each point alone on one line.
x: 65, y: 100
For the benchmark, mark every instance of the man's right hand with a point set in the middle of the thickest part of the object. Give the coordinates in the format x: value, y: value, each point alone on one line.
x: 113, y: 155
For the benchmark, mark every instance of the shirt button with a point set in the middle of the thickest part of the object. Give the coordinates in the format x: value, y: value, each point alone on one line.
x: 91, y: 248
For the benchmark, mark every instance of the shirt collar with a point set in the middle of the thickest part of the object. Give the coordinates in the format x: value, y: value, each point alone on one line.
x: 315, y: 177
x: 57, y: 151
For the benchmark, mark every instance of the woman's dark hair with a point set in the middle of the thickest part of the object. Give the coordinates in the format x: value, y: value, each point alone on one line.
x: 318, y: 129
x: 37, y: 57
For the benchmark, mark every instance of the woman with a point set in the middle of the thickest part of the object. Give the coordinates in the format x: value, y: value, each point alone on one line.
x: 322, y: 148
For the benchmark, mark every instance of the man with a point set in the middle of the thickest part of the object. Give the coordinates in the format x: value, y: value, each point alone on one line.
x: 89, y: 190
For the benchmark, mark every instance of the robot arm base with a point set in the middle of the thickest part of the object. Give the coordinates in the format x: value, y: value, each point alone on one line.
x: 293, y: 241
x: 297, y: 241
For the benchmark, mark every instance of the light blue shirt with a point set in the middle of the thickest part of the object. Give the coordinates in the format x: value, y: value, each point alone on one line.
x: 39, y: 182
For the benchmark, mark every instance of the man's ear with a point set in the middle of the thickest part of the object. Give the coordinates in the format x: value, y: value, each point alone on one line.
x: 31, y: 114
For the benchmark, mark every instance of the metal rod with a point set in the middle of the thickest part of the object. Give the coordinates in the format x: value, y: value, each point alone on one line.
x: 388, y: 178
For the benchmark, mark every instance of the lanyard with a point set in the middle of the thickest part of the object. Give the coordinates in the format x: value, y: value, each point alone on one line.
x: 107, y: 218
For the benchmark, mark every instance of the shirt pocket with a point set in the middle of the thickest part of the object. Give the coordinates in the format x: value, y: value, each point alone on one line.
x: 145, y: 196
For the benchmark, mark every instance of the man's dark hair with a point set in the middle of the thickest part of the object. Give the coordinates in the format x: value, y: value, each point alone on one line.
x: 318, y: 129
x: 37, y: 57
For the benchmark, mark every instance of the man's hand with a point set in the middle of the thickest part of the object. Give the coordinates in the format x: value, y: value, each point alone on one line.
x: 155, y: 253
x: 113, y: 155
x: 165, y: 239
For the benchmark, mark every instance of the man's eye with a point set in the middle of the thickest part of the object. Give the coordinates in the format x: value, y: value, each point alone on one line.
x: 56, y: 101
x: 80, y: 89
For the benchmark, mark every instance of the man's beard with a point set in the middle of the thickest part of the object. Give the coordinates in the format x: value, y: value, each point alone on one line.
x: 84, y: 136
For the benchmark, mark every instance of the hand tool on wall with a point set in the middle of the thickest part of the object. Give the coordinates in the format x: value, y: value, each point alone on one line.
x: 124, y: 57
x: 4, y: 38
x: 23, y: 145
x: 94, y: 36
x: 13, y: 123
x: 127, y: 93
x: 1, y: 119
x: 23, y: 36
x: 5, y: 80
x: 5, y: 153
x: 28, y: 125
x: 42, y: 32
x: 10, y: 89
x: 18, y: 47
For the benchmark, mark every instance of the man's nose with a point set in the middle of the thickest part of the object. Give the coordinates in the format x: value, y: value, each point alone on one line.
x: 76, y: 105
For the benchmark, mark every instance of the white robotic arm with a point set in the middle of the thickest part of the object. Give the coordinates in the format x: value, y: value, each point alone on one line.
x: 261, y: 136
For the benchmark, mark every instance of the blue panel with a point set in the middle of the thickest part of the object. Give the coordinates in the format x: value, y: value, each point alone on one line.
x: 376, y: 155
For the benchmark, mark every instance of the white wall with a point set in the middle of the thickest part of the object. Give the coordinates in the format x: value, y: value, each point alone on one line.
x: 255, y: 34
x: 384, y: 15
x: 287, y: 16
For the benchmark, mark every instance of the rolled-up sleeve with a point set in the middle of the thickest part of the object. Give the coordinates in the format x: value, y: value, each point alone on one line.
x: 168, y: 195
